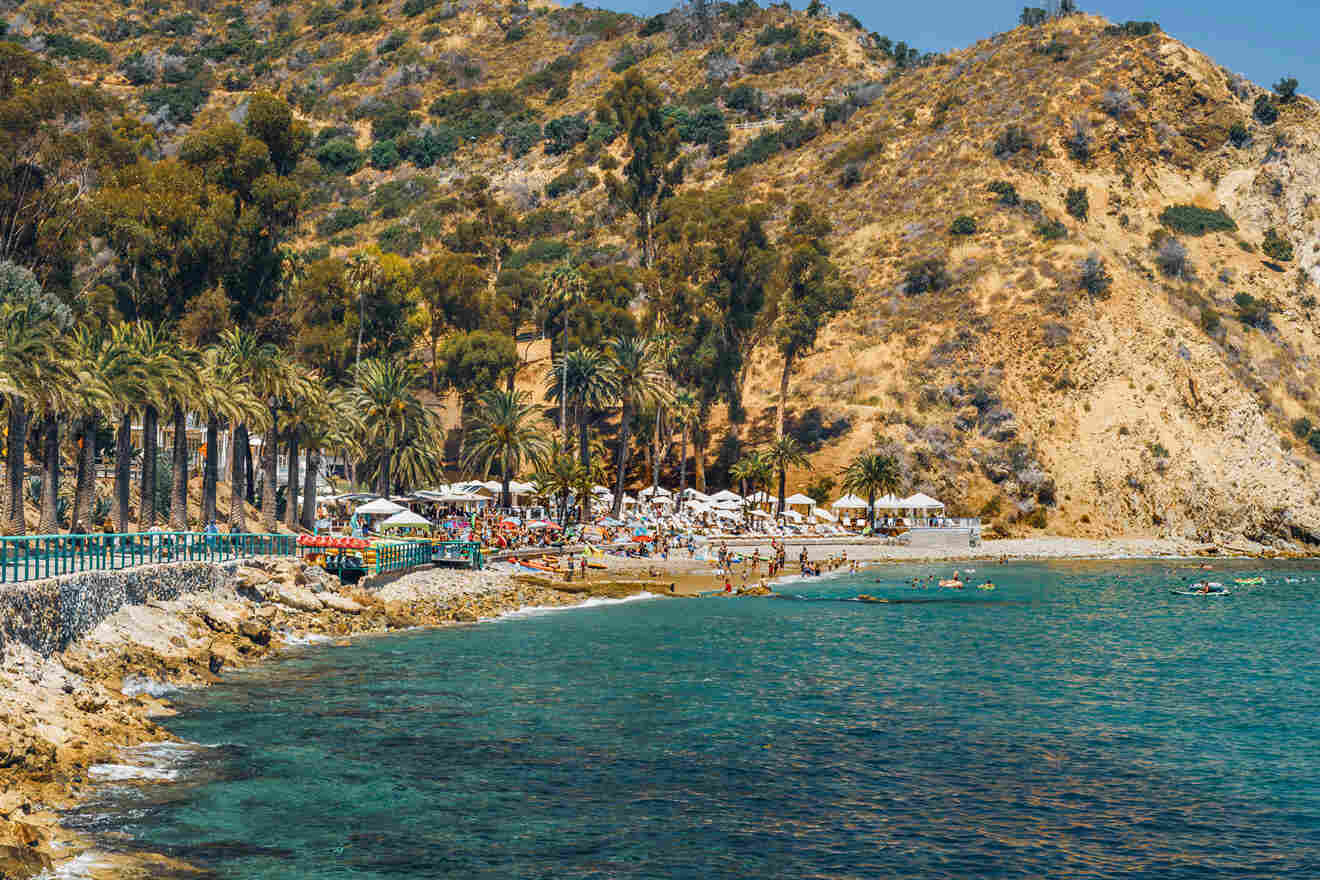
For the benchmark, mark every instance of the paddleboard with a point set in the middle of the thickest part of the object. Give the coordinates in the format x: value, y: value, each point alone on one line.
x: 1214, y: 593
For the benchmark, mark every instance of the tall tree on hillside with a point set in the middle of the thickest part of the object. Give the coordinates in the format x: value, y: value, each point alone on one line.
x: 785, y: 453
x: 565, y: 290
x: 812, y: 294
x: 490, y: 233
x: 586, y: 377
x: 639, y: 379
x: 248, y: 357
x: 400, y: 436
x: 718, y: 263
x: 470, y: 364
x: 450, y: 288
x: 684, y: 410
x: 654, y: 168
x: 517, y: 294
x: 505, y: 435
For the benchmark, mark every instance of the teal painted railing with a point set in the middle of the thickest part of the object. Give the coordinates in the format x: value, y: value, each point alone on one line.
x: 33, y: 557
x: 397, y: 557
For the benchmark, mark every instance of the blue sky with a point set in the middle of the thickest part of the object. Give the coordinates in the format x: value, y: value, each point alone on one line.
x: 1263, y: 39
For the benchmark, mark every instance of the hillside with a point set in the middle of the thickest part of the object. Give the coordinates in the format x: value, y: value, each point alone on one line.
x: 1165, y: 395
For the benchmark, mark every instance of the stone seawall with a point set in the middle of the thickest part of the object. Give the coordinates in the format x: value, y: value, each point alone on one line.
x: 49, y: 615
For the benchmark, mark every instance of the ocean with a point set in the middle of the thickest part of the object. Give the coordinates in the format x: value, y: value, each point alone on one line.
x: 1076, y: 721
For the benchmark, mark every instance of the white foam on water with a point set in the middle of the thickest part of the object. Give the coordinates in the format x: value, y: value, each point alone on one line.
x: 149, y: 762
x: 539, y: 610
x: 294, y: 639
x: 79, y: 867
x: 138, y: 684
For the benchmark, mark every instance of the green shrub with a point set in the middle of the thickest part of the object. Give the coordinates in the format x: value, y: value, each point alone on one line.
x: 520, y: 137
x: 653, y: 25
x: 1276, y: 247
x: 1077, y: 203
x: 1037, y: 519
x: 347, y: 70
x: 565, y: 133
x: 1210, y: 322
x: 963, y: 225
x: 402, y: 238
x: 515, y: 34
x: 1265, y: 111
x: 1251, y: 311
x: 1007, y: 192
x: 393, y: 43
x: 65, y: 46
x: 541, y: 251
x: 772, y: 60
x: 364, y: 24
x: 427, y: 146
x: 138, y: 69
x: 790, y: 136
x: 1033, y: 16
x: 553, y: 77
x: 1133, y: 29
x: 1052, y: 230
x: 1302, y: 427
x: 344, y: 218
x: 1238, y: 135
x: 1314, y: 441
x: 414, y: 8
x: 384, y: 155
x: 1191, y: 220
x: 771, y: 35
x: 546, y: 222
x: 475, y: 114
x: 926, y: 275
x: 339, y: 156
x: 851, y: 176
x: 745, y: 98
x: 1286, y: 90
x: 1011, y: 141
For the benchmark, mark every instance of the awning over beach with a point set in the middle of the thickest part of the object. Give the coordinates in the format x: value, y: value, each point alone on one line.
x: 406, y: 518
x: 380, y: 507
x: 726, y: 495
x: 849, y: 502
x: 922, y: 502
x: 889, y: 502
x: 800, y: 499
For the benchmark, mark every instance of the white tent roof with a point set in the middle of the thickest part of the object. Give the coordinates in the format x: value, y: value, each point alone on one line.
x: 889, y: 502
x: 407, y: 518
x: 660, y: 491
x: 759, y: 514
x: 600, y: 490
x: 518, y: 488
x: 380, y: 507
x: 726, y: 505
x: 693, y: 493
x: 726, y: 495
x: 799, y: 498
x: 793, y: 515
x: 849, y: 502
x: 922, y: 502
x: 459, y: 498
x: 822, y: 513
x: 760, y: 497
x: 726, y: 514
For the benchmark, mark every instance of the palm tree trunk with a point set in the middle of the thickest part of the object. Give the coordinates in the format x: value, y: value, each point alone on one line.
x: 505, y: 500
x: 309, y: 489
x: 621, y: 465
x: 655, y: 455
x: 870, y: 509
x: 84, y: 487
x: 270, y: 450
x: 291, y: 486
x: 179, y: 472
x: 210, y: 469
x: 237, y: 470
x: 16, y: 457
x: 50, y: 475
x: 147, y: 485
x: 783, y: 478
x: 699, y: 456
x: 682, y: 468
x: 584, y: 458
x: 783, y: 398
x: 249, y: 478
x: 123, y: 470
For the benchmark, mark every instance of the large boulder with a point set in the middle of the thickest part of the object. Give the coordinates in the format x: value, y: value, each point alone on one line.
x: 340, y: 603
x: 298, y: 598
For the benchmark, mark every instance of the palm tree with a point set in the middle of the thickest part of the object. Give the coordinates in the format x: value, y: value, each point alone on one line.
x: 400, y: 437
x: 753, y: 472
x: 363, y: 275
x: 783, y: 454
x: 872, y: 474
x: 504, y: 433
x: 27, y: 344
x: 555, y: 478
x: 684, y: 410
x: 158, y: 352
x: 183, y: 392
x: 586, y: 377
x: 639, y: 379
x: 245, y: 356
x: 566, y: 288
x: 331, y: 422
x: 224, y: 396
x: 276, y: 381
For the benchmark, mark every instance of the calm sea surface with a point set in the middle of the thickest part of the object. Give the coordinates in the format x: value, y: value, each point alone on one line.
x: 1078, y: 721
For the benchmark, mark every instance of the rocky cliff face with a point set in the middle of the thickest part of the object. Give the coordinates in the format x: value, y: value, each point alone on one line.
x: 1160, y: 391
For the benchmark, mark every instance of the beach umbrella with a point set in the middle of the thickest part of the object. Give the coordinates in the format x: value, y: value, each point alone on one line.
x: 542, y: 524
x: 380, y: 507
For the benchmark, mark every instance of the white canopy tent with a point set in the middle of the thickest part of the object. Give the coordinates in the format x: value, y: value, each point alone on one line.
x: 822, y: 513
x: 691, y: 494
x: 794, y: 515
x: 726, y: 495
x: 759, y: 514
x: 380, y: 507
x: 922, y: 502
x: 760, y: 497
x: 406, y: 518
x: 660, y: 492
x: 889, y: 502
x: 800, y: 500
x: 849, y: 502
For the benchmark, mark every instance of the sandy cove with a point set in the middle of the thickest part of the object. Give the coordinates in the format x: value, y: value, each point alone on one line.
x: 64, y: 714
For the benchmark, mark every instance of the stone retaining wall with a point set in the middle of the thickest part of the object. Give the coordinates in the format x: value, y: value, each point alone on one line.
x: 49, y: 615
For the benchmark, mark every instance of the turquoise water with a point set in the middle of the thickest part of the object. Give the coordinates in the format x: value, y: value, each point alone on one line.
x: 1078, y: 721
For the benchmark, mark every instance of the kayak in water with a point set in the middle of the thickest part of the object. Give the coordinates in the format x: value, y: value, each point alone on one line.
x: 1202, y: 589
x: 1248, y: 581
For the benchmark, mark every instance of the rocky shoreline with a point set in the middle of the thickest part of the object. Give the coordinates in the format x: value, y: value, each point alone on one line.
x: 71, y: 699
